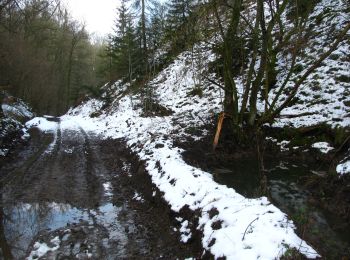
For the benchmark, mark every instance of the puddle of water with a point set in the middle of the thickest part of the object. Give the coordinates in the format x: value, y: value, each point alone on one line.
x: 23, y: 222
x: 242, y: 175
x: 314, y: 225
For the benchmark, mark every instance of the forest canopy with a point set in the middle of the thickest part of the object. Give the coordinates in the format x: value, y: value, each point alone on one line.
x: 48, y: 58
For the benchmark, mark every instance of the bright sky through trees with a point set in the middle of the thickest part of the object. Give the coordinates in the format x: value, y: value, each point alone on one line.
x: 98, y: 15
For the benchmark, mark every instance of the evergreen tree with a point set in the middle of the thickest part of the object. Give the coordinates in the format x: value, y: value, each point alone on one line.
x: 141, y: 6
x: 178, y: 31
x: 122, y: 48
x: 157, y: 29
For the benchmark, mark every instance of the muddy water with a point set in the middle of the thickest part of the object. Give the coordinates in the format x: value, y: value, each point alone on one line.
x: 64, y: 196
x: 284, y: 184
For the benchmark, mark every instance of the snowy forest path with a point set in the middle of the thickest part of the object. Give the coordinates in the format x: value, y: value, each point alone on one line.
x: 73, y: 196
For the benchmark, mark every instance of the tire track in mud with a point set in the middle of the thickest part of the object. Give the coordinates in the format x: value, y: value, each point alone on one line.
x: 139, y: 225
x: 103, y: 212
x: 74, y: 175
x: 42, y: 151
x: 93, y: 166
x: 96, y: 172
x: 56, y: 144
x: 127, y: 236
x: 68, y: 172
x: 44, y: 158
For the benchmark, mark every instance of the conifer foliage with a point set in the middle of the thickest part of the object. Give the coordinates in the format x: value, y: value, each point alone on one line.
x: 249, y: 37
x: 147, y: 34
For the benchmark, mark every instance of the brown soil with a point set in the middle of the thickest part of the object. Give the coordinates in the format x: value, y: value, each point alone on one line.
x: 71, y: 175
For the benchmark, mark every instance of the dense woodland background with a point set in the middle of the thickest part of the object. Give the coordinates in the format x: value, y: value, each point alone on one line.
x: 48, y: 59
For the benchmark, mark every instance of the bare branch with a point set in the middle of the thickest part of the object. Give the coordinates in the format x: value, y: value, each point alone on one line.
x: 311, y: 69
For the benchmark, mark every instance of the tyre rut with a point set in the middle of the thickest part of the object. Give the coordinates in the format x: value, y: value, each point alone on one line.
x: 80, y: 191
x: 18, y: 175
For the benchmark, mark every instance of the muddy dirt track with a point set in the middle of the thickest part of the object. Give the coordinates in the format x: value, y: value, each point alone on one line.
x: 83, y: 197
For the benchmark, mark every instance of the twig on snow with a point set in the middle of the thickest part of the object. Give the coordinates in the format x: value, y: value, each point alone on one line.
x: 248, y: 227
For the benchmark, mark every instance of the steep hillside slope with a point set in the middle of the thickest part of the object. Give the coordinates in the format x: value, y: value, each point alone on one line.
x: 258, y: 228
x: 232, y: 225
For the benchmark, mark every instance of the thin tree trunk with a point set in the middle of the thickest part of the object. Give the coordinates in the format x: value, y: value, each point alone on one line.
x: 257, y: 82
x: 75, y: 41
x: 247, y: 88
x: 69, y: 73
x: 143, y: 28
x: 229, y: 38
x: 266, y: 35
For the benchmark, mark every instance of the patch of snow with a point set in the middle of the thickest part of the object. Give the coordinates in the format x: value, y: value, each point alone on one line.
x: 11, y: 125
x: 25, y: 135
x: 185, y: 232
x: 48, y: 127
x: 180, y: 219
x: 40, y: 249
x: 324, y: 147
x: 274, y: 140
x: 283, y: 145
x: 108, y: 189
x: 4, y: 152
x: 69, y: 150
x: 17, y: 110
x: 343, y: 168
x: 43, y: 124
x: 138, y: 197
x: 322, y: 98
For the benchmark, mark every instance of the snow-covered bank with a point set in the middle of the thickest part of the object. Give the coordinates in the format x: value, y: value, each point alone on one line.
x: 232, y: 225
x: 248, y: 229
x: 344, y: 166
x: 16, y: 112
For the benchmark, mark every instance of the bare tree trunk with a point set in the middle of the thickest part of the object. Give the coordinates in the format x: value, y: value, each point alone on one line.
x: 75, y: 40
x: 69, y: 74
x: 255, y: 42
x: 257, y: 82
x: 3, y: 4
x: 229, y: 39
x: 1, y: 111
x: 143, y: 28
x: 266, y: 33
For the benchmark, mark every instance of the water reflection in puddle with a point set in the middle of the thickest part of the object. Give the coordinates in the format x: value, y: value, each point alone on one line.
x: 314, y: 225
x: 23, y: 222
x: 312, y: 222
